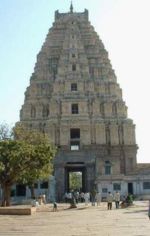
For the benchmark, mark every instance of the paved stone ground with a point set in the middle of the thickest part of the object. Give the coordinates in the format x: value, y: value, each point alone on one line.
x: 83, y: 221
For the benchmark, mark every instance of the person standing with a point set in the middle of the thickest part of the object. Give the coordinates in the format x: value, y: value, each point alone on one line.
x: 86, y: 198
x: 98, y: 198
x: 66, y: 197
x: 77, y: 196
x: 69, y: 197
x: 44, y: 198
x: 93, y: 195
x: 109, y: 200
x: 82, y: 196
x: 117, y: 199
x: 149, y: 210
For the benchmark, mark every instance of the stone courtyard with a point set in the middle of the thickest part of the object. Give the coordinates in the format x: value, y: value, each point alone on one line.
x: 83, y: 221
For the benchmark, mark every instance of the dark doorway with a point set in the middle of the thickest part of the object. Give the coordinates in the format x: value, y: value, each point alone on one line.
x: 130, y: 188
x: 74, y: 139
x: 20, y: 190
x: 75, y: 172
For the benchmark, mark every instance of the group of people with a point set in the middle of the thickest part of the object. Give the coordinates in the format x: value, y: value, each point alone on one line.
x: 94, y: 197
x: 124, y: 202
x: 111, y: 198
x: 78, y: 196
x: 40, y: 200
x: 75, y: 197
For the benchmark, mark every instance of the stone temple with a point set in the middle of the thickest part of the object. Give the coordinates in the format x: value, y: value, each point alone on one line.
x: 75, y: 99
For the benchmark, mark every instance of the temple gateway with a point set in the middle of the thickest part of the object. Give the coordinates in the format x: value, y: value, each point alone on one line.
x: 75, y: 99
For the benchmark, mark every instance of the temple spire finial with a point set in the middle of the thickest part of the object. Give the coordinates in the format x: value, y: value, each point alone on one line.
x: 71, y: 7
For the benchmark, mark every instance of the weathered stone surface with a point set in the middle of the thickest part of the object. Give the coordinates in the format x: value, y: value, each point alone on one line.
x: 74, y: 87
x: 15, y: 210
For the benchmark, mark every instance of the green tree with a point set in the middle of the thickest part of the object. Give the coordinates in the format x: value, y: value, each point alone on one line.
x: 40, y: 141
x: 25, y: 156
x: 75, y: 180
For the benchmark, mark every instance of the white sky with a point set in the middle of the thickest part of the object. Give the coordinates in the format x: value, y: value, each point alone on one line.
x: 123, y: 26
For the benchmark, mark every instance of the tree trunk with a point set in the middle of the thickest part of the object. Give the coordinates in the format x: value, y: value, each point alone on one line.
x: 6, y: 192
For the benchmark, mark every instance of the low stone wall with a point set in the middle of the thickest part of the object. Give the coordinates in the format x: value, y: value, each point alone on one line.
x: 17, y: 210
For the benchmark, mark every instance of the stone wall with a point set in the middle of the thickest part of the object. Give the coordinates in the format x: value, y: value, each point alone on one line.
x: 75, y: 86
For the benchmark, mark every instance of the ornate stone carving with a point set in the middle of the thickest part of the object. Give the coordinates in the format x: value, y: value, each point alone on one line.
x: 73, y: 53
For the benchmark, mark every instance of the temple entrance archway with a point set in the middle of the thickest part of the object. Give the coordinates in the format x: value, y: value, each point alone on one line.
x: 79, y: 172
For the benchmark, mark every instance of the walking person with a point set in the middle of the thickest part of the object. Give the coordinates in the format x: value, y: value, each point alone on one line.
x: 117, y: 199
x: 109, y: 200
x: 55, y: 206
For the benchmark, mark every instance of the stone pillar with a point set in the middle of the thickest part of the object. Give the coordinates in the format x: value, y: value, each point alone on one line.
x: 60, y: 181
x: 90, y: 173
x: 52, y: 189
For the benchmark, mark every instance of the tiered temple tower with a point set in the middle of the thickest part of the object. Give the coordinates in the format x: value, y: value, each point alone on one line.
x: 74, y: 97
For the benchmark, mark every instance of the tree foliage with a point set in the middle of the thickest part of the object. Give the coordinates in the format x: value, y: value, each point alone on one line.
x: 75, y: 180
x: 25, y: 156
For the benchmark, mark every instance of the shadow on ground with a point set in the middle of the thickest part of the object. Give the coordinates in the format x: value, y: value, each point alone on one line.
x: 136, y: 211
